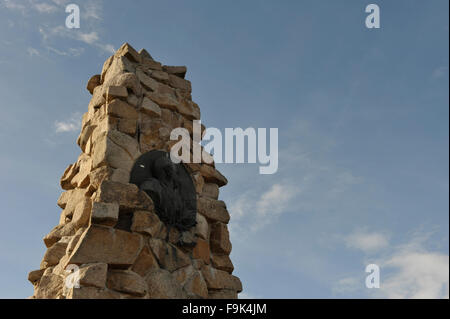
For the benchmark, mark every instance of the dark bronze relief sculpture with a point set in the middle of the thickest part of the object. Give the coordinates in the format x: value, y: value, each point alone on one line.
x: 170, y: 187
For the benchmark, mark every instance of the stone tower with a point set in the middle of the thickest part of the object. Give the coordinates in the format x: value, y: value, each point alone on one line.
x: 110, y: 242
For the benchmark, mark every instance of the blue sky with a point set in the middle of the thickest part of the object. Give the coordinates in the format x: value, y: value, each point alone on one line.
x: 363, y: 132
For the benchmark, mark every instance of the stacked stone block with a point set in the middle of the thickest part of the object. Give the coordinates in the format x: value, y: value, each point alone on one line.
x: 108, y: 228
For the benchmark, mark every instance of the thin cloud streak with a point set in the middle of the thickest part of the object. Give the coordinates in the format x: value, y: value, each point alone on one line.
x: 72, y: 124
x: 91, y: 14
x: 366, y: 241
x: 90, y: 38
x: 407, y: 271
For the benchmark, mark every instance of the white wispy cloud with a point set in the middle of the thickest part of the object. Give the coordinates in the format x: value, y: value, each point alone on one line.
x: 416, y: 274
x: 91, y: 38
x: 109, y: 48
x: 71, y: 124
x: 366, y: 241
x: 414, y: 271
x: 69, y: 52
x: 90, y: 12
x: 274, y: 200
x: 13, y: 5
x: 306, y: 182
x: 60, y: 2
x: 409, y: 270
x: 88, y: 38
x: 45, y: 7
x: 259, y: 210
x: 27, y: 6
x: 33, y: 52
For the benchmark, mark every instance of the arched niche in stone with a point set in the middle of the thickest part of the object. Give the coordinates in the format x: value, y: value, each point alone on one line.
x: 169, y: 185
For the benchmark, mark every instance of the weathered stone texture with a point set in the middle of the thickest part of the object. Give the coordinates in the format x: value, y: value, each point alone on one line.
x: 108, y: 227
x: 162, y: 285
x: 214, y: 210
x: 126, y: 281
x: 106, y: 245
x: 105, y: 213
x: 128, y: 196
x: 220, y: 239
x: 93, y: 275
